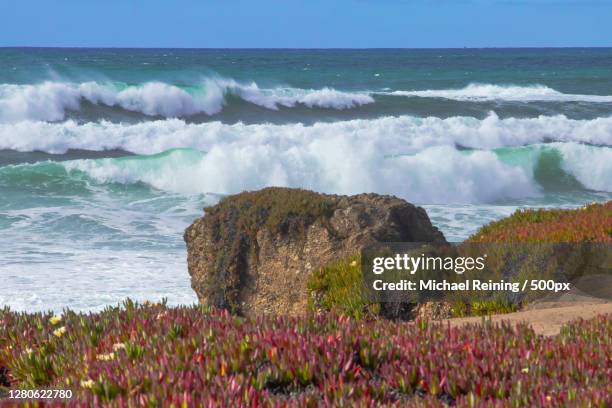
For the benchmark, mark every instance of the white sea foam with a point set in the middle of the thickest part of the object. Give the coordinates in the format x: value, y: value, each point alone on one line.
x: 94, y: 251
x: 415, y: 158
x: 49, y: 101
x: 336, y: 167
x: 291, y: 97
x: 385, y: 136
x: 88, y: 279
x: 591, y: 166
x: 325, y: 165
x: 490, y: 92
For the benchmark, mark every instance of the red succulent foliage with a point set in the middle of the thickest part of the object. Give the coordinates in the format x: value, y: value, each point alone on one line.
x: 158, y: 356
x: 592, y: 223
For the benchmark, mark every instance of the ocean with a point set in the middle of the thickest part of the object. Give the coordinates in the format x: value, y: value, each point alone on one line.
x: 106, y: 155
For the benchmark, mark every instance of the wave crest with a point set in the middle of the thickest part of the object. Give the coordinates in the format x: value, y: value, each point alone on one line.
x: 390, y: 135
x: 49, y: 101
x: 333, y: 168
x: 462, y: 177
x: 491, y: 176
x: 490, y: 92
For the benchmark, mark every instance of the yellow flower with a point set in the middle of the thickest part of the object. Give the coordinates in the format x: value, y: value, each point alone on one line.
x: 105, y: 357
x: 59, y: 332
x: 354, y: 263
x: 29, y: 351
x: 89, y: 383
x: 525, y: 370
x: 55, y: 320
x: 118, y: 346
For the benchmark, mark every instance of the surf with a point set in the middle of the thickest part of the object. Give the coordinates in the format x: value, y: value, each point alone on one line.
x: 465, y: 176
x: 52, y: 100
x: 393, y: 135
x: 477, y: 92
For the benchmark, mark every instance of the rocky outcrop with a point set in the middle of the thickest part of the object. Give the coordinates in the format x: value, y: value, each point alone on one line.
x: 254, y: 252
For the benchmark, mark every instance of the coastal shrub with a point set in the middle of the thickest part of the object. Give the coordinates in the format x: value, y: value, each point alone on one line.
x: 154, y: 355
x: 339, y: 288
x: 564, y: 245
x: 485, y: 307
x: 529, y: 245
x: 591, y: 223
x: 279, y: 209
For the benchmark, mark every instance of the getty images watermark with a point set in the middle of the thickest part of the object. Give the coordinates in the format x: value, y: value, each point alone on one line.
x: 520, y: 271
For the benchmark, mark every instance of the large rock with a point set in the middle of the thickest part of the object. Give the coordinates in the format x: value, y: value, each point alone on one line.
x: 254, y: 252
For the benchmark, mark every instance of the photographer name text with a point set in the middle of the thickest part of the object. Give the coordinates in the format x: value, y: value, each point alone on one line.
x: 471, y: 285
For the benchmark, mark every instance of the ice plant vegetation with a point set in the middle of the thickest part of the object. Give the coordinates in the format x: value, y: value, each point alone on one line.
x: 195, y: 356
x: 591, y: 223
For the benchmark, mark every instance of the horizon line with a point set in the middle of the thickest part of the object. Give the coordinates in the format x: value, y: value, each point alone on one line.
x: 301, y: 48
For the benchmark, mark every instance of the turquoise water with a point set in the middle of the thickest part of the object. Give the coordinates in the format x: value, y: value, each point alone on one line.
x: 107, y: 155
x: 579, y: 74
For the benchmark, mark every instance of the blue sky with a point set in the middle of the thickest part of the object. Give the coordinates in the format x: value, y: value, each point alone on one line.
x: 307, y: 23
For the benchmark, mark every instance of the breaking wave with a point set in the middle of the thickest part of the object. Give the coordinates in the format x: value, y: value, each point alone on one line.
x: 50, y: 101
x: 490, y: 92
x: 464, y: 176
x: 390, y: 135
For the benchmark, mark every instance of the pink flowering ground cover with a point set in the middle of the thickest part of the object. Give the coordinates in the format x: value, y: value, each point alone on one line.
x: 154, y: 355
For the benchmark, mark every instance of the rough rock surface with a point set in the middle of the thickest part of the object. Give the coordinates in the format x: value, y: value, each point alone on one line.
x: 433, y: 311
x: 253, y: 253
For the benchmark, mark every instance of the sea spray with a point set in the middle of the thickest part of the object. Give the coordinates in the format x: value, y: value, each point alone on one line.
x: 51, y: 100
x: 388, y: 135
x: 491, y: 92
